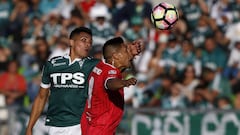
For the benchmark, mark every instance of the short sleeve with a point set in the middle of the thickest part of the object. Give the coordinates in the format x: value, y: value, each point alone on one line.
x: 45, y: 76
x: 109, y: 74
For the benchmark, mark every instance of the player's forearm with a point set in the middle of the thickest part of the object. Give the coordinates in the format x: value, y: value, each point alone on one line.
x: 115, y: 84
x: 36, y: 112
x: 37, y: 108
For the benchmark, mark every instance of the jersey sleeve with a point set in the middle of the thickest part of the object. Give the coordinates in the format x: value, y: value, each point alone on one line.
x: 109, y: 74
x: 45, y: 76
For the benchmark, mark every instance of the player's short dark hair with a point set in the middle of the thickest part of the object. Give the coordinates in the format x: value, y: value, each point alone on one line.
x: 78, y: 30
x: 111, y: 45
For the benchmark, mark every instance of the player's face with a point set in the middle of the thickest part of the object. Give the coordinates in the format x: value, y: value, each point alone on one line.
x: 124, y: 56
x: 81, y: 44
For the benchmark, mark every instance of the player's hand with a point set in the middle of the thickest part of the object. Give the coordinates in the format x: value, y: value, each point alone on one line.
x: 131, y: 81
x: 135, y: 47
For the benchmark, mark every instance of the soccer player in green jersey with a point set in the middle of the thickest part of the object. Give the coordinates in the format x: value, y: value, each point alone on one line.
x: 64, y: 85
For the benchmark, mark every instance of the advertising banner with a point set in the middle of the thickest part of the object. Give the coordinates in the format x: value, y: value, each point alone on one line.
x: 181, y: 123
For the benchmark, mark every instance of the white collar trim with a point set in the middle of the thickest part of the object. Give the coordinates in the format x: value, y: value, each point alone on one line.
x: 69, y: 59
x: 107, y: 63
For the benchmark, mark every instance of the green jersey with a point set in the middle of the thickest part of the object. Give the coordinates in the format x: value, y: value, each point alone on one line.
x: 68, y: 89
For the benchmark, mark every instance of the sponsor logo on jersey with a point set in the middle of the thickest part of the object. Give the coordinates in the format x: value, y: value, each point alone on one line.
x: 68, y: 80
x: 54, y: 62
x: 59, y: 64
x: 112, y: 72
x: 97, y: 70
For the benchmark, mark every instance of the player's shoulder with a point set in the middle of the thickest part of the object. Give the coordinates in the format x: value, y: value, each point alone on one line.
x: 56, y: 58
x: 92, y: 60
x: 107, y: 67
x: 104, y: 68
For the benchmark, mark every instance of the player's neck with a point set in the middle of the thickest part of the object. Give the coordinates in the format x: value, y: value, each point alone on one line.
x: 113, y: 63
x: 73, y: 57
x: 116, y: 64
x: 122, y: 69
x: 119, y: 66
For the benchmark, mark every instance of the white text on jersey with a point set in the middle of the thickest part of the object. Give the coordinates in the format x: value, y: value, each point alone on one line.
x: 76, y: 78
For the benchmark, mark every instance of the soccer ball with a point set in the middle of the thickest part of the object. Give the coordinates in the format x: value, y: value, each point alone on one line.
x: 164, y: 16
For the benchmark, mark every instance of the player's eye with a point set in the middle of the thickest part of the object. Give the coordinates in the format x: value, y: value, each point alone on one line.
x: 83, y: 39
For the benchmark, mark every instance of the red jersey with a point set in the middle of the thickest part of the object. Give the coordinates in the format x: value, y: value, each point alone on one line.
x: 104, y: 108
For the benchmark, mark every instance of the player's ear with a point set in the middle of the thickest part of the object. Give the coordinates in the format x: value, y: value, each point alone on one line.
x: 116, y: 55
x: 71, y: 42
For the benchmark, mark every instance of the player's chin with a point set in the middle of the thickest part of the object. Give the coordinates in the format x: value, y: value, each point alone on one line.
x: 84, y: 55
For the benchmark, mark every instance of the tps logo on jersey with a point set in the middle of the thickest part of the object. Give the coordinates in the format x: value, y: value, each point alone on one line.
x: 72, y: 80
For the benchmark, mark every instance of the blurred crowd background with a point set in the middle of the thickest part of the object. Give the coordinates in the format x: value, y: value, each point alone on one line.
x: 195, y: 65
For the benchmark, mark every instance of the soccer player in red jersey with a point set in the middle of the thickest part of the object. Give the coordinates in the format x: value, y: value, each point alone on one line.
x: 104, y: 107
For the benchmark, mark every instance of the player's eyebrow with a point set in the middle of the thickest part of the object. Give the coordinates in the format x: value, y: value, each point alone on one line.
x: 84, y: 38
x: 81, y: 38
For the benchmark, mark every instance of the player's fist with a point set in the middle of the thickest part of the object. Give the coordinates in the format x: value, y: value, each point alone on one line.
x: 131, y: 81
x: 135, y: 47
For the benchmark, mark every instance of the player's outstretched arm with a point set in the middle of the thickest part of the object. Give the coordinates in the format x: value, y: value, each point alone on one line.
x: 37, y: 108
x: 116, y: 84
